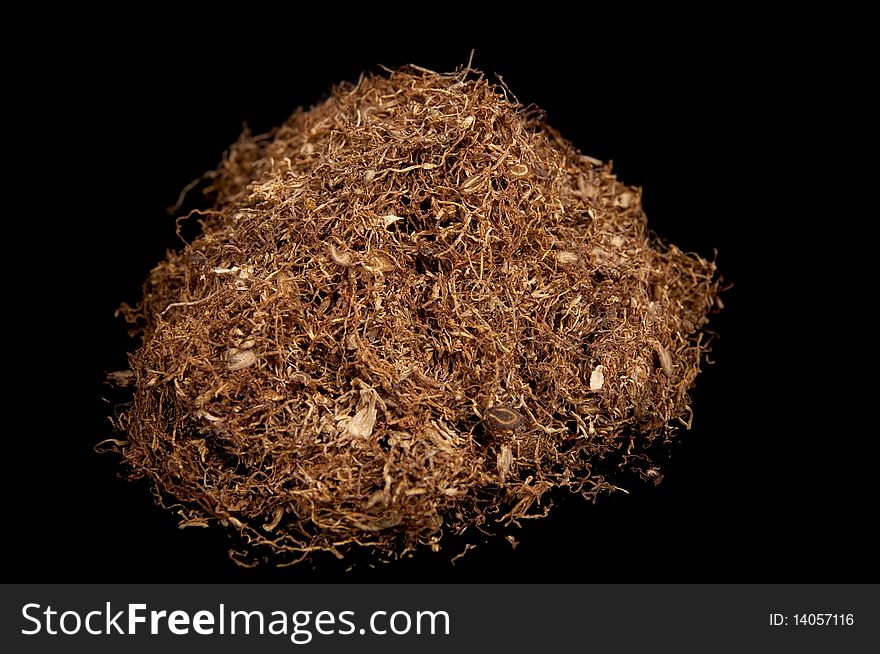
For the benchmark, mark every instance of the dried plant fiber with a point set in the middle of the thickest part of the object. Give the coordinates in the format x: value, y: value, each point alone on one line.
x: 412, y: 311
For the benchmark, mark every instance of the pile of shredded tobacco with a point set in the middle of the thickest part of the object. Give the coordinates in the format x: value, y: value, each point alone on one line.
x: 411, y: 311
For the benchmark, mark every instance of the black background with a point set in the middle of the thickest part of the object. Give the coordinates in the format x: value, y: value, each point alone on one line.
x: 762, y: 487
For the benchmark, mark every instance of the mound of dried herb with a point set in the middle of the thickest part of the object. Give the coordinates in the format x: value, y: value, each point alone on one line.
x: 413, y: 309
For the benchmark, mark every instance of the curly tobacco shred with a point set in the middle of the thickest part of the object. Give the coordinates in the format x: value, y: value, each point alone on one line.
x: 413, y: 309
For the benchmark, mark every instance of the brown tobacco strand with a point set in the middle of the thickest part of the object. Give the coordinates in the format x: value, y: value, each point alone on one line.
x: 368, y: 276
x: 504, y: 417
